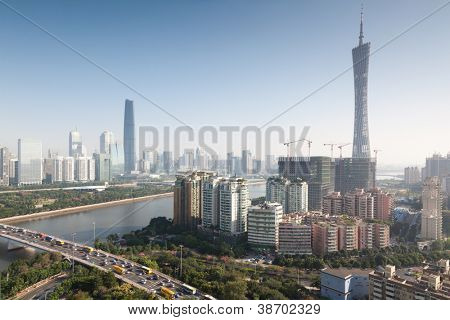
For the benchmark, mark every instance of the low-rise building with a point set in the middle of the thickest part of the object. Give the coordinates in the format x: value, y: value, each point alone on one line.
x: 431, y: 283
x: 344, y: 284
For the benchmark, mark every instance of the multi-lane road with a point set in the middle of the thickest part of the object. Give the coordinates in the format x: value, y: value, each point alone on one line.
x: 133, y: 273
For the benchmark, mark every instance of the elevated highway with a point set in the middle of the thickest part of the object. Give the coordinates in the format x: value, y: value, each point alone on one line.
x: 133, y: 273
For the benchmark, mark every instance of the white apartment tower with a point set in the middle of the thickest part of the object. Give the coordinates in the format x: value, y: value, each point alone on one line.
x: 211, y: 202
x: 432, y: 210
x: 263, y: 224
x: 234, y: 204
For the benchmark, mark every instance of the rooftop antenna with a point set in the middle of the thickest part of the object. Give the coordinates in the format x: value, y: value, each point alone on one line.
x: 361, y: 36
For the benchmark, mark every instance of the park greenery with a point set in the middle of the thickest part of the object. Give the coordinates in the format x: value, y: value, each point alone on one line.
x: 22, y: 273
x: 400, y: 256
x: 23, y: 202
x: 223, y: 278
x: 91, y: 283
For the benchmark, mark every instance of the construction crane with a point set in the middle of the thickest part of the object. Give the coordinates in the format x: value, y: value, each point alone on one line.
x: 340, y: 148
x: 287, y: 144
x: 331, y: 147
x: 376, y: 153
x: 309, y: 146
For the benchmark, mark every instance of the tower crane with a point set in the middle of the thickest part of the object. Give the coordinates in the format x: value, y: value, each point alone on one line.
x: 340, y: 148
x: 331, y: 147
x: 309, y: 146
x: 287, y: 144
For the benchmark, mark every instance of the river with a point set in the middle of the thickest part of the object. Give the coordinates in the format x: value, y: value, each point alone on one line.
x: 119, y: 219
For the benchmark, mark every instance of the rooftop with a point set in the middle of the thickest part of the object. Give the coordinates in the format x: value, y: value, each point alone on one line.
x: 345, y: 273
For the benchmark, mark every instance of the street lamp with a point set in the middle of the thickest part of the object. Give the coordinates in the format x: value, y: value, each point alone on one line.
x: 73, y: 253
x: 93, y: 223
x: 181, y: 261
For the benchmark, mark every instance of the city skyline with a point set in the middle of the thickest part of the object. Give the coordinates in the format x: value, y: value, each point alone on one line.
x: 393, y: 121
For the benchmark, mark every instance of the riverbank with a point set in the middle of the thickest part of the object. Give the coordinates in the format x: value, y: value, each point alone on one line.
x: 66, y: 211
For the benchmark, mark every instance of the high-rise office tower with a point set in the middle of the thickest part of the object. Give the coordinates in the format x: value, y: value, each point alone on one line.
x: 102, y: 167
x: 75, y: 144
x: 30, y: 162
x: 117, y: 157
x: 129, y: 137
x: 361, y: 143
x: 167, y: 161
x: 354, y: 173
x: 5, y: 159
x: 247, y: 162
x: 230, y: 164
x: 432, y: 210
x: 106, y: 139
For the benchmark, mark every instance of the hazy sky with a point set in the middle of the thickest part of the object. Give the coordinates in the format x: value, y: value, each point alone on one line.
x: 226, y: 63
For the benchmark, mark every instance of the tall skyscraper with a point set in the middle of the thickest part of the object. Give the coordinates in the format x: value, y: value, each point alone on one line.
x: 167, y: 161
x: 361, y: 144
x: 117, y: 159
x: 30, y: 162
x: 129, y: 137
x: 106, y: 139
x: 75, y: 144
x: 102, y: 167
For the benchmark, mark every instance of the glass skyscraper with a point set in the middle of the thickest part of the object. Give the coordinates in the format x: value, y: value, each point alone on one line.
x: 30, y: 162
x: 129, y: 137
x: 361, y: 144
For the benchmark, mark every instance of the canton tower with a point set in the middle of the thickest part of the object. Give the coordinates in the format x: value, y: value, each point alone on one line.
x: 361, y: 144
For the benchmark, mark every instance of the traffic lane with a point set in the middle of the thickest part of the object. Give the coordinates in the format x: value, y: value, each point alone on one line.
x: 96, y: 260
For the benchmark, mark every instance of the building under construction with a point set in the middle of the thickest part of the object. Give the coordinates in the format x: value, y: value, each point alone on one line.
x: 354, y: 173
x: 318, y: 172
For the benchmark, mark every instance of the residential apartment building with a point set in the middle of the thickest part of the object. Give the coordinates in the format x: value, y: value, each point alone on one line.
x: 332, y: 204
x: 412, y: 175
x: 432, y: 284
x: 359, y: 203
x: 188, y: 198
x: 234, y: 204
x: 263, y: 225
x: 383, y: 204
x: 294, y: 237
x: 324, y: 238
x: 211, y: 202
x: 292, y: 193
x: 431, y: 228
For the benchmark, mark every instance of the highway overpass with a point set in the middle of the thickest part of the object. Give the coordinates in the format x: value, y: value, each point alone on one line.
x: 134, y: 274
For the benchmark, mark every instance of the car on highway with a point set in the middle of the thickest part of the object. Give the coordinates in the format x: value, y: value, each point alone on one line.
x: 143, y: 281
